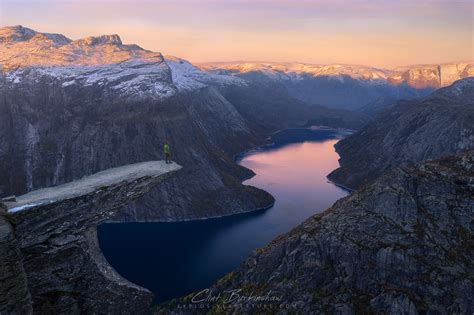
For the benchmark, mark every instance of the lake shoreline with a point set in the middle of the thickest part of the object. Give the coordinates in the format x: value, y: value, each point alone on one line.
x: 192, y: 254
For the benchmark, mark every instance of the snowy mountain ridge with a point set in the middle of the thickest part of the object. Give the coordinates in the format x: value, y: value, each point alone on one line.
x: 187, y: 76
x: 135, y: 72
x: 295, y: 70
x: 418, y: 76
x: 104, y: 60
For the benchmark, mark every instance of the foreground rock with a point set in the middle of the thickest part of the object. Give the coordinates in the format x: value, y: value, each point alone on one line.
x: 14, y: 294
x: 56, y: 232
x: 402, y: 245
x: 438, y: 125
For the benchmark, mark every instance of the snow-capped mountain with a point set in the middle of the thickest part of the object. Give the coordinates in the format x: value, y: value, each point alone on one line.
x: 133, y: 72
x: 104, y: 60
x: 187, y: 76
x: 363, y: 88
x: 418, y: 76
x: 295, y: 71
x: 23, y: 47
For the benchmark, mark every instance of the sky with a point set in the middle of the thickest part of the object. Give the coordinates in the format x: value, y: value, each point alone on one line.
x: 382, y: 33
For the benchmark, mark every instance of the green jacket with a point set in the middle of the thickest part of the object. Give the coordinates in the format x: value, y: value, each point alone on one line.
x: 166, y: 149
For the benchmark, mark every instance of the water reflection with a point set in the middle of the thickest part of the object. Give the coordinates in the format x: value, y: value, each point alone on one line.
x: 173, y: 259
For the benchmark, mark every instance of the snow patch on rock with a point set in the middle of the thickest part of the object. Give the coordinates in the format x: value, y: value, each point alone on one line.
x: 419, y: 76
x: 188, y: 77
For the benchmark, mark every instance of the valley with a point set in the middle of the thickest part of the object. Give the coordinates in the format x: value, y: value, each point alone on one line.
x: 253, y: 201
x: 178, y: 258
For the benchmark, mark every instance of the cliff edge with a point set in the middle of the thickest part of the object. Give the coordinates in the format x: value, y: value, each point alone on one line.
x: 58, y: 248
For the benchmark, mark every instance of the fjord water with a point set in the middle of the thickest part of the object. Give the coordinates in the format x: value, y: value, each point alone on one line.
x: 174, y: 259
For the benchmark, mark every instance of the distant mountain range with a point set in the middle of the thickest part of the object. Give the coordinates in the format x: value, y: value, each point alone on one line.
x: 134, y: 71
x: 361, y: 88
x: 418, y: 76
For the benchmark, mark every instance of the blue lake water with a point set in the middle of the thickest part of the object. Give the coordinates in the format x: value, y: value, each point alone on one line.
x: 174, y: 259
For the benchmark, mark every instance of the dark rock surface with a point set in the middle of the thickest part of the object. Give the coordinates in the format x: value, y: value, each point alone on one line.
x: 267, y: 106
x: 14, y: 294
x: 410, y: 132
x: 348, y: 93
x: 50, y: 135
x: 56, y: 232
x: 402, y: 245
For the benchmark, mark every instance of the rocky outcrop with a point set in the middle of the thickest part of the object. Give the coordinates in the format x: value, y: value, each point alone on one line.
x: 438, y: 125
x: 14, y: 294
x: 402, y: 245
x: 51, y: 134
x: 56, y: 233
x: 434, y: 76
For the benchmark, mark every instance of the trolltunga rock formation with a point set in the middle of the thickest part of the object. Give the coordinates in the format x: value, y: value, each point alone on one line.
x: 56, y: 245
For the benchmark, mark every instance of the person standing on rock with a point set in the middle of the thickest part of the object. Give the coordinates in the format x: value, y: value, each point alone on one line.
x: 167, y: 151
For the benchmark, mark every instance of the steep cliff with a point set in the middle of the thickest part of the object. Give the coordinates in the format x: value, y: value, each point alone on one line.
x: 52, y: 132
x: 412, y: 131
x: 14, y: 295
x: 402, y: 245
x: 56, y: 232
x: 435, y: 76
x: 267, y: 106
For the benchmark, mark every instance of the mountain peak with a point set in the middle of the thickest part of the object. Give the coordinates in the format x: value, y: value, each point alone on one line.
x: 113, y: 39
x: 23, y: 47
x: 16, y: 33
x: 19, y: 33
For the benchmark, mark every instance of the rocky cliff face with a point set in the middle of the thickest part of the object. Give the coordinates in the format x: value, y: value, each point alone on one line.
x: 423, y: 76
x: 14, y: 295
x: 267, y: 106
x: 412, y: 131
x: 72, y: 114
x: 402, y: 245
x: 51, y: 135
x: 56, y: 235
